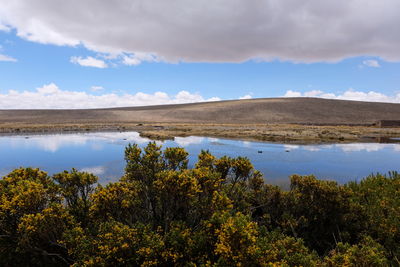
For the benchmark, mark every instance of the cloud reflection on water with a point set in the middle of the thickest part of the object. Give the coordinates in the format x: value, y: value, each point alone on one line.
x: 190, y: 140
x: 53, y: 142
x: 96, y: 170
x: 352, y: 147
x: 102, y: 155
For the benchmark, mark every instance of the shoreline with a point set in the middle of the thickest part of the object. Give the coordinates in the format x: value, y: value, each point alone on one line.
x: 276, y: 133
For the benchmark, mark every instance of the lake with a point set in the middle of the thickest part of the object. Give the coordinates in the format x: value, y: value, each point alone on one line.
x: 103, y: 155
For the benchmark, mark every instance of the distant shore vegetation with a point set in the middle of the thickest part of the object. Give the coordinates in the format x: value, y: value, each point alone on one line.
x: 218, y: 213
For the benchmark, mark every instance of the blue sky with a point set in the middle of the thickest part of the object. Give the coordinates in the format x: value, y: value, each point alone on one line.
x: 30, y: 61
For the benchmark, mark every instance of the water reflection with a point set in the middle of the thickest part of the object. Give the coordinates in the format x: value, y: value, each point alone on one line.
x: 102, y: 154
x: 96, y: 170
x: 190, y: 140
x: 53, y: 143
x: 353, y: 147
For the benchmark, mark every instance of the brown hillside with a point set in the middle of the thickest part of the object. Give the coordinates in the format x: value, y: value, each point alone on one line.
x: 263, y: 110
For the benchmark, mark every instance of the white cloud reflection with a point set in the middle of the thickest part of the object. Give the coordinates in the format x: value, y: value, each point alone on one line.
x: 353, y: 147
x: 54, y: 142
x: 291, y: 147
x: 190, y: 140
x: 96, y: 170
x: 370, y: 147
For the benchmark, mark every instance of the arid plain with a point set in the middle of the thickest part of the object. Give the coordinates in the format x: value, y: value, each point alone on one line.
x: 268, y: 119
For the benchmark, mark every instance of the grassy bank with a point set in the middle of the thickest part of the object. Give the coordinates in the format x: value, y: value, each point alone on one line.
x: 259, y: 132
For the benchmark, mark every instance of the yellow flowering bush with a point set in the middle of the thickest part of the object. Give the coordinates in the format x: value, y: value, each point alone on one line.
x: 118, y: 201
x: 76, y: 187
x: 219, y: 213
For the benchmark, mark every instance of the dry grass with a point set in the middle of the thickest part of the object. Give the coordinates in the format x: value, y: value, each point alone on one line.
x: 289, y: 133
x: 273, y: 119
x: 277, y: 132
x: 255, y: 111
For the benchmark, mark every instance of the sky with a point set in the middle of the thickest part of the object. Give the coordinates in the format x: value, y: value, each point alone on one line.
x: 109, y: 53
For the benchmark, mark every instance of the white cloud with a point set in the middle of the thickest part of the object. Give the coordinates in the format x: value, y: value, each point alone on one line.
x: 4, y: 27
x: 291, y: 93
x: 216, y: 31
x: 48, y: 89
x: 96, y: 88
x: 186, y: 97
x: 350, y: 94
x: 214, y: 98
x: 131, y: 61
x: 371, y: 63
x: 50, y: 96
x: 248, y: 96
x: 7, y: 58
x: 89, y: 62
x: 313, y: 93
x: 137, y: 58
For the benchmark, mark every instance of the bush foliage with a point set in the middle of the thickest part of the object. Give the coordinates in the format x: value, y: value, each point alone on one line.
x: 219, y: 213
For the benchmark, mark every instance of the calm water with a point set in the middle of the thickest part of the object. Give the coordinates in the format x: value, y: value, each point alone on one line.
x: 102, y: 154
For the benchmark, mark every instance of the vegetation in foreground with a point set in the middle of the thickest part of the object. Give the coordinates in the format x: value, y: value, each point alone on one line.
x: 220, y: 213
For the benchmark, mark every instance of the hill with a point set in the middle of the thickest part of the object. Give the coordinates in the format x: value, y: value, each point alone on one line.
x: 253, y: 111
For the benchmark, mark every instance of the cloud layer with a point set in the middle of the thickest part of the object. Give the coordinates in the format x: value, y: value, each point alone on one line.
x: 350, y: 94
x: 51, y: 97
x: 213, y: 31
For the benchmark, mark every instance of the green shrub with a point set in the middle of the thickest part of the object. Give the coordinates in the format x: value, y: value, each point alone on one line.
x: 219, y: 213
